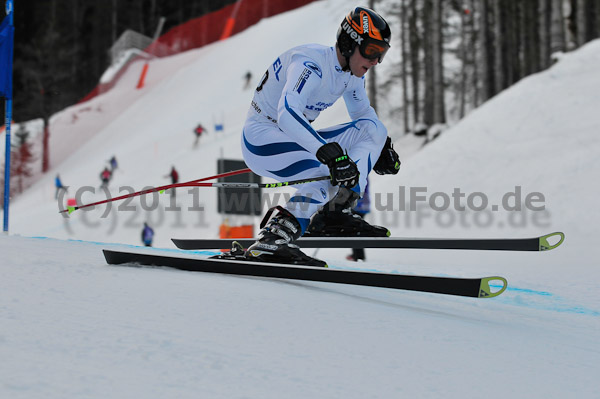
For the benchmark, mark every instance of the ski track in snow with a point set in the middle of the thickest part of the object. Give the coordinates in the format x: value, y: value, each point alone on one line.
x: 515, y: 296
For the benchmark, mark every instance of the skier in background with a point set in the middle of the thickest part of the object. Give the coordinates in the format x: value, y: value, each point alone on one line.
x: 147, y: 235
x: 248, y: 78
x: 174, y: 180
x: 59, y: 186
x: 113, y: 163
x: 279, y: 142
x: 105, y: 177
x: 198, y: 131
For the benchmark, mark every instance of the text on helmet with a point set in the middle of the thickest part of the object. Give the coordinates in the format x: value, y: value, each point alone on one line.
x: 352, y: 33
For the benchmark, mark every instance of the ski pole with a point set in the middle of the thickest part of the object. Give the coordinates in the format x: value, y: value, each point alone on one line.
x: 71, y: 209
x: 257, y: 185
x: 198, y: 183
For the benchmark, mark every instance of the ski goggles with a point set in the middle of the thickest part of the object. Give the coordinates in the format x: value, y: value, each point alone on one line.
x: 374, y: 50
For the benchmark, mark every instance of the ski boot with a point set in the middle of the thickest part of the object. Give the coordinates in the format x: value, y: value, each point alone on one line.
x: 275, y: 242
x: 337, y: 219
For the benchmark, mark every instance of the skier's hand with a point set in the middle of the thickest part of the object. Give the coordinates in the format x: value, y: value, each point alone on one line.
x: 389, y: 161
x: 342, y: 169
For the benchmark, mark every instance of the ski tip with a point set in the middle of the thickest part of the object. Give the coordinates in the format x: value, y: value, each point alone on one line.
x: 485, y: 290
x: 545, y: 244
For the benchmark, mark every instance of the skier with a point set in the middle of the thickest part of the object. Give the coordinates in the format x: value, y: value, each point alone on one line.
x: 113, y: 163
x: 147, y: 235
x: 59, y: 186
x: 174, y: 179
x: 248, y: 80
x: 279, y: 142
x: 105, y: 176
x: 198, y: 131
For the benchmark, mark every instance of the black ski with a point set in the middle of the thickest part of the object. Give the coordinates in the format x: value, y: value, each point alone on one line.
x: 498, y: 244
x: 469, y: 287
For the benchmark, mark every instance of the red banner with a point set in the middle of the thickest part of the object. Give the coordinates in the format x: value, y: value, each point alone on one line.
x: 209, y: 28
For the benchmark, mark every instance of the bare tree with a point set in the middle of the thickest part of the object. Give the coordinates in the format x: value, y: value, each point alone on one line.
x: 597, y: 21
x: 486, y: 59
x: 373, y: 75
x: 428, y: 116
x: 557, y: 29
x: 437, y: 49
x: 545, y: 19
x: 530, y: 38
x: 592, y: 29
x: 404, y: 62
x: 581, y: 21
x: 415, y: 56
x: 462, y: 89
x: 513, y: 42
x: 474, y: 47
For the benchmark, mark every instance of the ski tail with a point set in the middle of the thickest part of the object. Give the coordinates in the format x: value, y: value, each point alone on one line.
x: 544, y: 244
x: 485, y: 290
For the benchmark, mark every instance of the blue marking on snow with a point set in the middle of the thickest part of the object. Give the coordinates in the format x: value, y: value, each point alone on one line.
x: 523, y: 297
x: 524, y: 290
x: 125, y: 246
x: 515, y: 296
x: 545, y: 301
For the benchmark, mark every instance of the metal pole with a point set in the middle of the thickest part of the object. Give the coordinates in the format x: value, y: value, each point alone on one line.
x: 7, y: 164
x: 8, y: 114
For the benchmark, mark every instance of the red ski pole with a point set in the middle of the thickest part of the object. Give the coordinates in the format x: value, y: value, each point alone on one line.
x: 71, y: 209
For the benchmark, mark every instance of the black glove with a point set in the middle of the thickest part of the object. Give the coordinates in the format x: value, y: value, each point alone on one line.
x: 389, y: 161
x: 342, y: 169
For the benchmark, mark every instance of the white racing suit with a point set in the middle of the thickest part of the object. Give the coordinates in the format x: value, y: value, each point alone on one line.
x: 278, y: 140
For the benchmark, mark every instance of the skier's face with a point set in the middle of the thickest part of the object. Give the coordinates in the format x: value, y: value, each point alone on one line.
x: 359, y: 65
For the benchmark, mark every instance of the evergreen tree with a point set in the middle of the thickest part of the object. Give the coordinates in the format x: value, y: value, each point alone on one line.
x: 21, y: 159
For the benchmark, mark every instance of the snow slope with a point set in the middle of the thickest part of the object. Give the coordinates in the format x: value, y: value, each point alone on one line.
x: 71, y: 326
